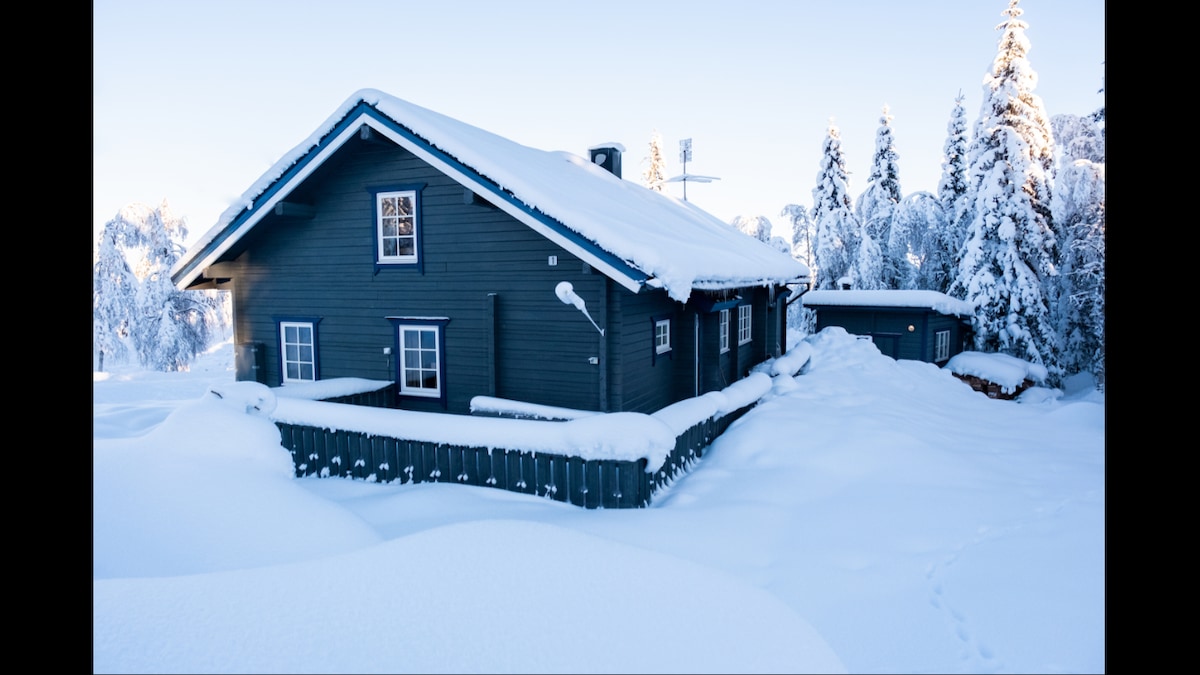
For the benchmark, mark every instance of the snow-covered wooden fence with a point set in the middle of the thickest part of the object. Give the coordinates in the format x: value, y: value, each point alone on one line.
x: 590, y: 483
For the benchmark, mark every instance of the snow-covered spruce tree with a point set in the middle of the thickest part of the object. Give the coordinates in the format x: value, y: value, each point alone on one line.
x: 1007, y: 262
x: 656, y: 167
x: 172, y: 325
x: 952, y: 188
x: 932, y: 244
x: 1078, y: 207
x: 837, y: 227
x: 114, y: 293
x: 802, y: 233
x: 878, y: 201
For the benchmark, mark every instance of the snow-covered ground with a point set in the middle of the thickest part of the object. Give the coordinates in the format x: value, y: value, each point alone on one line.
x: 869, y: 515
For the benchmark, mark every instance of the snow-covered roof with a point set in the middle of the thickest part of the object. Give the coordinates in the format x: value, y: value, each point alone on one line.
x: 939, y: 302
x: 636, y: 236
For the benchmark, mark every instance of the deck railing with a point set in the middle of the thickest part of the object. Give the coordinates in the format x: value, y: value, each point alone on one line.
x: 590, y: 483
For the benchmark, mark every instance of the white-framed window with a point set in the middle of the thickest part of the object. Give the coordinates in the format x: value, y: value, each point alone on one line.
x: 662, y: 336
x: 941, y: 345
x: 396, y: 226
x: 724, y: 332
x: 420, y: 360
x: 298, y: 351
x: 743, y: 324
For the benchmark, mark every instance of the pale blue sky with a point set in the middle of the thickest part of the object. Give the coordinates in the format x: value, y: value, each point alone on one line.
x: 192, y: 102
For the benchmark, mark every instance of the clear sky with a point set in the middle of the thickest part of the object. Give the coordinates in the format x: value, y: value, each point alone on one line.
x: 192, y: 102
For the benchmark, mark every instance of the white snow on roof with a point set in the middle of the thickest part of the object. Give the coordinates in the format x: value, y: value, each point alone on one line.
x: 678, y: 245
x: 939, y: 302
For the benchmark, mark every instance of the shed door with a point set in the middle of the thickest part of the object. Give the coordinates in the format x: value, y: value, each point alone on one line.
x: 888, y: 344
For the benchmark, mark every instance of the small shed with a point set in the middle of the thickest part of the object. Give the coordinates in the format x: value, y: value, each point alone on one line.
x: 918, y: 325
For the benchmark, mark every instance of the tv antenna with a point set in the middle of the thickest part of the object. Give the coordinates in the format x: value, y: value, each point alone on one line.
x: 685, y: 155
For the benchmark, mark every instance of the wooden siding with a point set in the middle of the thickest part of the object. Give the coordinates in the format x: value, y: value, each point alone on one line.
x: 885, y: 324
x: 324, y: 268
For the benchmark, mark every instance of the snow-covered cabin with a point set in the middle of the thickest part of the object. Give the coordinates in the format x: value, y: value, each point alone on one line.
x: 398, y: 244
x: 918, y: 325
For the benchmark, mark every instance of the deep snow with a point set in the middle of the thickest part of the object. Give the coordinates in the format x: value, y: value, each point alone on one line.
x: 869, y: 515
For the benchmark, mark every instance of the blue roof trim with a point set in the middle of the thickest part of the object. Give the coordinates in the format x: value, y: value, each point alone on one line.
x: 352, y: 117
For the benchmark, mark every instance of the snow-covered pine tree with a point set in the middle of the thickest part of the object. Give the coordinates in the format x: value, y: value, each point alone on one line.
x: 114, y: 293
x: 758, y: 227
x: 837, y: 228
x: 952, y: 188
x: 802, y: 233
x: 1008, y: 257
x: 172, y: 325
x: 656, y: 167
x: 1078, y: 209
x: 878, y: 202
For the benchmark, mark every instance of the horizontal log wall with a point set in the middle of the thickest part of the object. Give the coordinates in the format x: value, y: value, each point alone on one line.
x: 590, y: 483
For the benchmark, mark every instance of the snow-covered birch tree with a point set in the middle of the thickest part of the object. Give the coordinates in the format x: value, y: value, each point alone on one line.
x: 1008, y: 258
x: 114, y: 293
x: 655, y: 172
x: 802, y: 233
x: 758, y: 227
x: 932, y: 244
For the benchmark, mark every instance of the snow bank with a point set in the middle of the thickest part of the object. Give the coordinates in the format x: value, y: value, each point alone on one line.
x: 1007, y: 371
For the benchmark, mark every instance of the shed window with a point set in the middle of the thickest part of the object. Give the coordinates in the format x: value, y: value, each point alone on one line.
x: 941, y: 345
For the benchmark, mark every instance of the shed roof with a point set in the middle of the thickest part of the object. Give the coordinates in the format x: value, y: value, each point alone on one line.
x: 938, y: 302
x: 638, y: 237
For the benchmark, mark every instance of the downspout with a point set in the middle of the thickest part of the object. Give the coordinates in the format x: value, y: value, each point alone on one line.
x: 786, y: 304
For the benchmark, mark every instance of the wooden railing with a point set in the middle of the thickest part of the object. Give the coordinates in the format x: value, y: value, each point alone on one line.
x: 590, y: 483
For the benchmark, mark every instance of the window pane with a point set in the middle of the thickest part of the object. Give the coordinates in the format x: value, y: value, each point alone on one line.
x: 405, y: 246
x: 292, y: 352
x: 428, y: 339
x: 412, y: 378
x: 306, y: 372
x: 405, y: 206
x: 429, y: 359
x: 389, y: 247
x: 403, y: 227
x: 430, y: 381
x: 388, y: 206
x: 391, y: 227
x: 412, y: 338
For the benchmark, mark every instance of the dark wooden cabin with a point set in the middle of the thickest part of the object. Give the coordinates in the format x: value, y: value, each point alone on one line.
x: 397, y: 244
x: 917, y: 325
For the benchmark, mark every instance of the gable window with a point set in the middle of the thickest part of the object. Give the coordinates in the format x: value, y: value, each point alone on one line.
x: 724, y: 332
x: 298, y: 351
x: 743, y: 324
x: 398, y: 226
x: 941, y: 345
x: 662, y: 336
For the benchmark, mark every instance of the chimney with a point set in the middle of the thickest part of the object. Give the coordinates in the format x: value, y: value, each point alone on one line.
x: 608, y: 156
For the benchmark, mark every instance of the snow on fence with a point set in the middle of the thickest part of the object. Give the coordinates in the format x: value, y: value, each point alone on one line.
x: 610, y: 477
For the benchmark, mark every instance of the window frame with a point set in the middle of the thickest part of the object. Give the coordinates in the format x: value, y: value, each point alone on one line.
x: 378, y: 195
x: 302, y: 323
x: 436, y: 326
x: 723, y: 330
x: 662, y: 329
x: 745, y: 330
x: 941, y: 345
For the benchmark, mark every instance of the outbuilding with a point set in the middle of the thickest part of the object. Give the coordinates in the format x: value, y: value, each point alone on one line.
x: 918, y: 325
